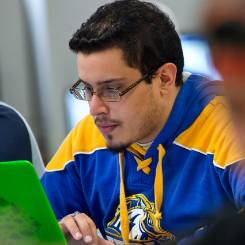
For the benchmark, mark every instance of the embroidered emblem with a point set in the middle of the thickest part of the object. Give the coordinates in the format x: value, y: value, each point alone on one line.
x: 143, y: 224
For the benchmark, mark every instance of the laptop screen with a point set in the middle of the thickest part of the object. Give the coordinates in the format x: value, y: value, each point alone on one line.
x: 26, y: 216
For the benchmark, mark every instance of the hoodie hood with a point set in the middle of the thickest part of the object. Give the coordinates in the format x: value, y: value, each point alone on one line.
x: 186, y: 109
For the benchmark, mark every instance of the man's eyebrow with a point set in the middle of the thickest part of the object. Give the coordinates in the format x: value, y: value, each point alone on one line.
x: 103, y: 82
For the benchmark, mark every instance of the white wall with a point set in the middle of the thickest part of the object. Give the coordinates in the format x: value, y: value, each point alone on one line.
x: 14, y: 71
x: 187, y: 13
x: 16, y: 74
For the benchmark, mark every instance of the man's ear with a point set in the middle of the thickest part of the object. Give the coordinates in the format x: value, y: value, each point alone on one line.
x: 167, y: 74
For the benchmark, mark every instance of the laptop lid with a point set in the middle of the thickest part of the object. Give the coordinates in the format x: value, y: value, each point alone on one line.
x: 26, y: 216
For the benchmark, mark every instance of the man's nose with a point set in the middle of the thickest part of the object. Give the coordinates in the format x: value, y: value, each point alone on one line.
x: 97, y: 106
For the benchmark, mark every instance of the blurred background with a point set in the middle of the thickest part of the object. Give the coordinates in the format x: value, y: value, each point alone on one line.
x: 37, y: 68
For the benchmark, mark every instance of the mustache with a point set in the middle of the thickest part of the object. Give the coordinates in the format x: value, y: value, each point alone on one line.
x: 105, y: 119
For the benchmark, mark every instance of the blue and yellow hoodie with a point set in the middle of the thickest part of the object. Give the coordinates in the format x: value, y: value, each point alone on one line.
x: 190, y: 172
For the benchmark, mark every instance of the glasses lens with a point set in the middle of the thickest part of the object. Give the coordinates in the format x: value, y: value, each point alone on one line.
x: 80, y: 92
x: 110, y: 95
x: 84, y: 92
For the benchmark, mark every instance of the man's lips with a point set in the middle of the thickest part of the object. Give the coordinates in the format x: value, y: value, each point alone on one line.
x: 106, y: 128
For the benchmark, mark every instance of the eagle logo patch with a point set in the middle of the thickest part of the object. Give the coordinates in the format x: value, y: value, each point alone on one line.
x: 143, y: 225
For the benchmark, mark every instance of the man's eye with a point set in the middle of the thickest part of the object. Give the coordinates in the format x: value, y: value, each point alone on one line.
x: 111, y: 88
x: 88, y: 88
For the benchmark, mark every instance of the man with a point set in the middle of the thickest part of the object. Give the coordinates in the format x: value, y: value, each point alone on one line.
x: 226, y: 34
x: 156, y: 157
x: 17, y: 139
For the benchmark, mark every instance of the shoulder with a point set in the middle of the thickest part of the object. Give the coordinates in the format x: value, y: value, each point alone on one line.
x: 9, y: 116
x: 212, y: 133
x: 85, y: 138
x: 12, y: 123
x: 17, y: 139
x: 15, y: 142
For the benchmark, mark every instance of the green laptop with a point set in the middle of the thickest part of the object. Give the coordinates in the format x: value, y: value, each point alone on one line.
x: 25, y: 213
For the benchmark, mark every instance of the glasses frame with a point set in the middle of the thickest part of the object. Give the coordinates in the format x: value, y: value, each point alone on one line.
x: 120, y: 93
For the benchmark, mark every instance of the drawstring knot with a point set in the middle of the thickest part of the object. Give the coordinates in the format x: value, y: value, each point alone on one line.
x: 144, y: 165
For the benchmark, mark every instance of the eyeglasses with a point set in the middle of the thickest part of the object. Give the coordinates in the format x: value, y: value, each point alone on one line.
x: 82, y: 91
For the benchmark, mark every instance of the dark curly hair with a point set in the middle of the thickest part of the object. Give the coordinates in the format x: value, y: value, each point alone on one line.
x: 141, y: 30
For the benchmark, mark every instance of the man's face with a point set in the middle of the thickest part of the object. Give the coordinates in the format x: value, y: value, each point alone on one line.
x: 138, y: 116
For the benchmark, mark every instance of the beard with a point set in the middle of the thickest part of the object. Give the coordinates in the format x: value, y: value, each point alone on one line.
x: 116, y: 147
x: 142, y: 128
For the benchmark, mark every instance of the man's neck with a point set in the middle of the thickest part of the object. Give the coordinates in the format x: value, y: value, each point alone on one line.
x: 164, y: 114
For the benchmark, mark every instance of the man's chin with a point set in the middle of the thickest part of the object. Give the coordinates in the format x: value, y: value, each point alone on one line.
x: 117, y: 147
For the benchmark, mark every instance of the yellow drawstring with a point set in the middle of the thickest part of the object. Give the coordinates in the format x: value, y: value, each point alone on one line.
x: 123, y: 204
x: 158, y: 183
x: 158, y: 192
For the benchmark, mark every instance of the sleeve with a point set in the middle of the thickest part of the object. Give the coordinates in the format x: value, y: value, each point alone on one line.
x: 232, y: 178
x: 61, y: 181
x: 229, y: 163
x: 17, y: 139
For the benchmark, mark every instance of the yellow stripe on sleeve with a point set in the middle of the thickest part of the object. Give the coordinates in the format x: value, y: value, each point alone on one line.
x: 212, y: 133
